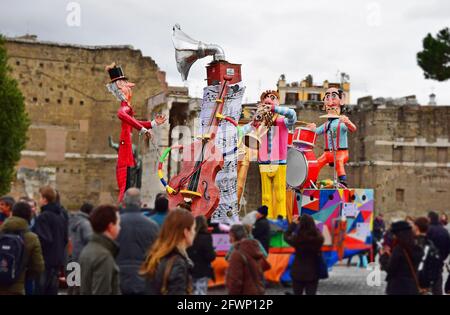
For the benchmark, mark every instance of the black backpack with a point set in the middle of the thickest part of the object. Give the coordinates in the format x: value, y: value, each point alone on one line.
x: 430, y: 267
x: 12, y: 249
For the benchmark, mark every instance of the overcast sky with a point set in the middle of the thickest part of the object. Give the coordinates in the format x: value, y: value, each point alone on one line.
x: 375, y: 42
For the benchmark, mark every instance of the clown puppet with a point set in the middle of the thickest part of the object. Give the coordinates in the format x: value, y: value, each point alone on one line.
x: 270, y: 124
x: 121, y: 88
x: 335, y: 131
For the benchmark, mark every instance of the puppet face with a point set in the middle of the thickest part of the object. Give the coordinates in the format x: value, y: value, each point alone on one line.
x: 333, y: 101
x: 125, y: 87
x: 271, y: 99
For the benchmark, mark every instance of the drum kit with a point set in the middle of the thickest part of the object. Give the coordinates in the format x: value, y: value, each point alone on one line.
x: 302, y: 169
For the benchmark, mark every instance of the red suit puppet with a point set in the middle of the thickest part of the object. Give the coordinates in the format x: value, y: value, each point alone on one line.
x: 121, y: 88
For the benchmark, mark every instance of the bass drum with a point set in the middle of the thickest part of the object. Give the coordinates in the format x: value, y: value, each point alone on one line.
x: 302, y: 168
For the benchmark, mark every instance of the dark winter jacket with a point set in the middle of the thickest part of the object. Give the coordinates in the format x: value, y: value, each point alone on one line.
x: 179, y: 281
x: 80, y: 232
x: 307, y: 254
x: 261, y: 232
x: 245, y: 269
x: 99, y: 271
x: 202, y: 254
x: 52, y: 228
x: 439, y: 235
x: 33, y: 260
x: 137, y: 234
x: 400, y: 279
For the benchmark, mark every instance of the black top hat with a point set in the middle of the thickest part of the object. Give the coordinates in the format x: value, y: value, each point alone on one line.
x: 400, y: 226
x: 116, y: 73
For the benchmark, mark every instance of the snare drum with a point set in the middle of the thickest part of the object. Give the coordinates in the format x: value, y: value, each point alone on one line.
x: 302, y: 168
x: 304, y: 137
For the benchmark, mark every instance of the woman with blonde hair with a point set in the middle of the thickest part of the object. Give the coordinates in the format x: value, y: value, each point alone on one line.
x: 167, y: 267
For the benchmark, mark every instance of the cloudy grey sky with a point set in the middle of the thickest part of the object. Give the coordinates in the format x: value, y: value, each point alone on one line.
x: 374, y: 41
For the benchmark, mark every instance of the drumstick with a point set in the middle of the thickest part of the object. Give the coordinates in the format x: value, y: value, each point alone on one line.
x: 303, y: 122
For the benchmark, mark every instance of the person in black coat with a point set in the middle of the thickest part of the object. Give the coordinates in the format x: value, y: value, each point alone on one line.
x: 261, y: 229
x: 202, y: 255
x: 401, y: 264
x: 136, y: 236
x: 303, y: 235
x: 440, y: 237
x: 52, y: 228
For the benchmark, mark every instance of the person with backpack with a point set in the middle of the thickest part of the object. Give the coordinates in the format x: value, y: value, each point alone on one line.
x: 202, y: 255
x: 430, y: 266
x: 401, y: 261
x: 20, y: 250
x: 246, y: 265
x: 441, y: 239
x: 52, y: 228
x: 307, y: 241
x: 167, y: 267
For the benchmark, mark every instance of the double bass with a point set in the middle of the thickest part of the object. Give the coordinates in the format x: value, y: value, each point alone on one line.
x: 202, y: 160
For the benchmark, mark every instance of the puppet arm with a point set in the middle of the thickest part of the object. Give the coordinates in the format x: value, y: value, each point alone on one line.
x: 289, y: 114
x: 123, y: 114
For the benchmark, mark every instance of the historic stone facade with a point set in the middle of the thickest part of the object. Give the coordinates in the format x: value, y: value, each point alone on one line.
x: 73, y: 114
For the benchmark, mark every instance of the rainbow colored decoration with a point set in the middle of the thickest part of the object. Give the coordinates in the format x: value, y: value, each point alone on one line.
x: 162, y: 159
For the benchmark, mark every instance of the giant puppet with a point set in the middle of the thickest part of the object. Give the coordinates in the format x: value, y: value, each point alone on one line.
x: 208, y: 176
x: 270, y: 128
x: 121, y: 88
x: 335, y: 131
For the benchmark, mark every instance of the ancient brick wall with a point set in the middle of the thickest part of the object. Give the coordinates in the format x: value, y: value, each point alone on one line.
x: 72, y: 115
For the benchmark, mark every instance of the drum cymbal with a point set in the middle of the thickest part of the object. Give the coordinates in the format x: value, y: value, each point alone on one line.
x: 329, y: 116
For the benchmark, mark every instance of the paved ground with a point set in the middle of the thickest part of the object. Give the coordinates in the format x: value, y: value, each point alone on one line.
x: 342, y: 280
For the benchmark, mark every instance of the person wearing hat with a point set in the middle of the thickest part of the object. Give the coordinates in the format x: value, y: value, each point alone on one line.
x: 275, y: 120
x: 335, y: 132
x: 261, y: 228
x: 401, y: 261
x: 121, y: 88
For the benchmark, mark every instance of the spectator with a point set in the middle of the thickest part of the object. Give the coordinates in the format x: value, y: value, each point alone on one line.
x: 379, y: 228
x: 444, y: 221
x: 99, y: 271
x: 307, y: 240
x: 80, y: 233
x: 202, y: 254
x: 161, y: 210
x: 261, y: 230
x: 137, y: 234
x: 441, y: 239
x: 33, y: 205
x: 245, y: 274
x: 168, y: 266
x: 401, y: 263
x: 6, y: 205
x: 52, y: 228
x: 33, y: 262
x: 430, y: 268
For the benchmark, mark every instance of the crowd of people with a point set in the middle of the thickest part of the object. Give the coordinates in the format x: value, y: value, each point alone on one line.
x: 133, y: 250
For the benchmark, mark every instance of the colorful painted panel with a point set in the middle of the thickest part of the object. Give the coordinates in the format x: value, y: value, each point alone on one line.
x: 329, y: 206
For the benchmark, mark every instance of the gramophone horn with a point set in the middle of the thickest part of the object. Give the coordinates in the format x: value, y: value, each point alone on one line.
x: 189, y: 50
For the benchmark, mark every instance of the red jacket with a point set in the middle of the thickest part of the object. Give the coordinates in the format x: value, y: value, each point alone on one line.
x: 125, y: 114
x: 245, y: 275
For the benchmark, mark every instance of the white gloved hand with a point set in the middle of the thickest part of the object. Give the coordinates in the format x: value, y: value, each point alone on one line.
x: 143, y: 131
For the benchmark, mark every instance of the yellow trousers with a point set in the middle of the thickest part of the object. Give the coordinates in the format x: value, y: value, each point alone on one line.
x: 273, y: 184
